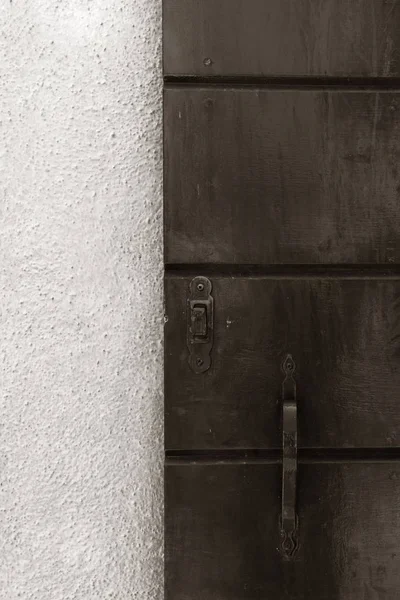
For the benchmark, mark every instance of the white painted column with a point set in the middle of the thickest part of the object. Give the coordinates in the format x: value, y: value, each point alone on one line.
x: 81, y: 300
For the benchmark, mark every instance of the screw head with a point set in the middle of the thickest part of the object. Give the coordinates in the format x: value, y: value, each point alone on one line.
x: 207, y: 62
x: 200, y: 287
x: 199, y: 362
x: 289, y: 365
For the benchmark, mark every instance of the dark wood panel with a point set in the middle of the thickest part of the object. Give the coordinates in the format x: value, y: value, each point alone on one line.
x: 279, y: 176
x: 222, y: 533
x: 344, y: 335
x: 282, y: 37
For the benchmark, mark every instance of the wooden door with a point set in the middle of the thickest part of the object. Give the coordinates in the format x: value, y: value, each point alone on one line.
x: 282, y: 299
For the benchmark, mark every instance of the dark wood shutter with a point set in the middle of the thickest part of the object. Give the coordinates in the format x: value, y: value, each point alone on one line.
x: 282, y: 294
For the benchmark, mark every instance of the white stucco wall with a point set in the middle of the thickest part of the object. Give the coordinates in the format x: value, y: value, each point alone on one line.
x: 81, y: 300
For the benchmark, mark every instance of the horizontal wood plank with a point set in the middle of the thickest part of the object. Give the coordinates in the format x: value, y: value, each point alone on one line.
x: 344, y: 335
x: 282, y: 37
x: 258, y: 176
x: 222, y: 533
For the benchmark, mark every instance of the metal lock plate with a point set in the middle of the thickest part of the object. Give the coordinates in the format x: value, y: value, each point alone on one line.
x: 200, y: 308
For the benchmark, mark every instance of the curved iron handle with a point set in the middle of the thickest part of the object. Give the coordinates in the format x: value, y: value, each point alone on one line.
x: 289, y: 521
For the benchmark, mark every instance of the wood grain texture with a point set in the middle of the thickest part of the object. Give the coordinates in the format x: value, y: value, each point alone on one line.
x: 282, y: 176
x: 344, y: 335
x: 281, y: 37
x: 222, y: 533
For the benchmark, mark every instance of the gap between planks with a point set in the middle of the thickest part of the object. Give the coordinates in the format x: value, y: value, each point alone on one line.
x: 284, y: 271
x: 304, y: 455
x: 302, y: 83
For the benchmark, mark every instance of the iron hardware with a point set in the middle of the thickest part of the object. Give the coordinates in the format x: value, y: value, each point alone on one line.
x: 289, y: 520
x: 200, y: 309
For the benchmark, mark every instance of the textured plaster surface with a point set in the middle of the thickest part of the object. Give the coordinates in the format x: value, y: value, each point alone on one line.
x: 80, y: 300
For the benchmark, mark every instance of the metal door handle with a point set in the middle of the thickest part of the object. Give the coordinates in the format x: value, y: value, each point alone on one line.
x: 289, y: 520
